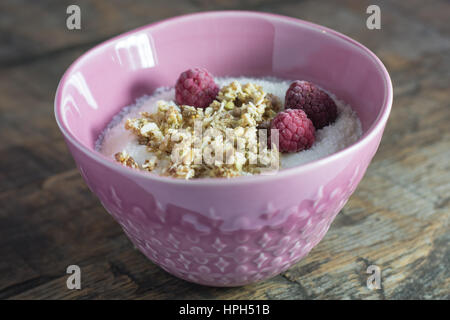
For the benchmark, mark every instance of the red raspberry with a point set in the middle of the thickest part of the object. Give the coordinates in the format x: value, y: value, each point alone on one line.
x: 195, y: 87
x: 317, y: 104
x: 296, y: 131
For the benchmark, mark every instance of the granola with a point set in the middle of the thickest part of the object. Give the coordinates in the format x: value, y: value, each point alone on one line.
x: 124, y: 158
x: 221, y: 140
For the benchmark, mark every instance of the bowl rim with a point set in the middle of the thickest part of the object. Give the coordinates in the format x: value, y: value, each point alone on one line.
x: 369, y: 135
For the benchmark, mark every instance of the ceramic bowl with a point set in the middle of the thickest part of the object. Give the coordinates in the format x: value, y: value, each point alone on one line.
x: 223, y: 232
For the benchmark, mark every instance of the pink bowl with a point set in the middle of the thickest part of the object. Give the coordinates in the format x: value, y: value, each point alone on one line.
x: 223, y: 232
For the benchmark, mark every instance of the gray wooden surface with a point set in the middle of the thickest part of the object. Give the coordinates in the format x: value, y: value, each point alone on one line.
x: 397, y: 219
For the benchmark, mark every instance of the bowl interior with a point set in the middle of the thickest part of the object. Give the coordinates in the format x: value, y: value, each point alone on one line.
x: 115, y: 73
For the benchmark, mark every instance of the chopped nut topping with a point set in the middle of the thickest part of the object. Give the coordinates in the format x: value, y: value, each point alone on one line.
x: 125, y: 159
x: 218, y: 141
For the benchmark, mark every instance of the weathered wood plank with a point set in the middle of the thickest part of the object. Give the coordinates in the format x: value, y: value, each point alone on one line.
x: 33, y: 30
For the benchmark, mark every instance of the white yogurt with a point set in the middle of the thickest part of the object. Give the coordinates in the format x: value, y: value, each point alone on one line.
x: 330, y: 139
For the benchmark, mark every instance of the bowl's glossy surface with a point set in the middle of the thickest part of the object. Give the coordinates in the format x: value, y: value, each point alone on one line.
x: 216, y: 231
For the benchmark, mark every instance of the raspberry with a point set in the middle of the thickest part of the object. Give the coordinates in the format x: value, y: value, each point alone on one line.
x: 195, y: 87
x: 317, y: 104
x: 296, y: 131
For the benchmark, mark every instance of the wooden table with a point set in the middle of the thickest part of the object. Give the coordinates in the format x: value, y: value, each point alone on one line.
x: 397, y: 219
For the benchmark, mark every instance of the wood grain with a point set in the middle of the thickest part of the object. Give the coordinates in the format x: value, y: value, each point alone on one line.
x: 398, y: 218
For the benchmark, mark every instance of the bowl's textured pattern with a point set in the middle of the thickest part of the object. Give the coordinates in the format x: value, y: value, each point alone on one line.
x: 193, y: 246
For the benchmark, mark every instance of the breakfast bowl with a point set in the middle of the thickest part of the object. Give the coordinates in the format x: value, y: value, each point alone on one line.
x: 219, y: 231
